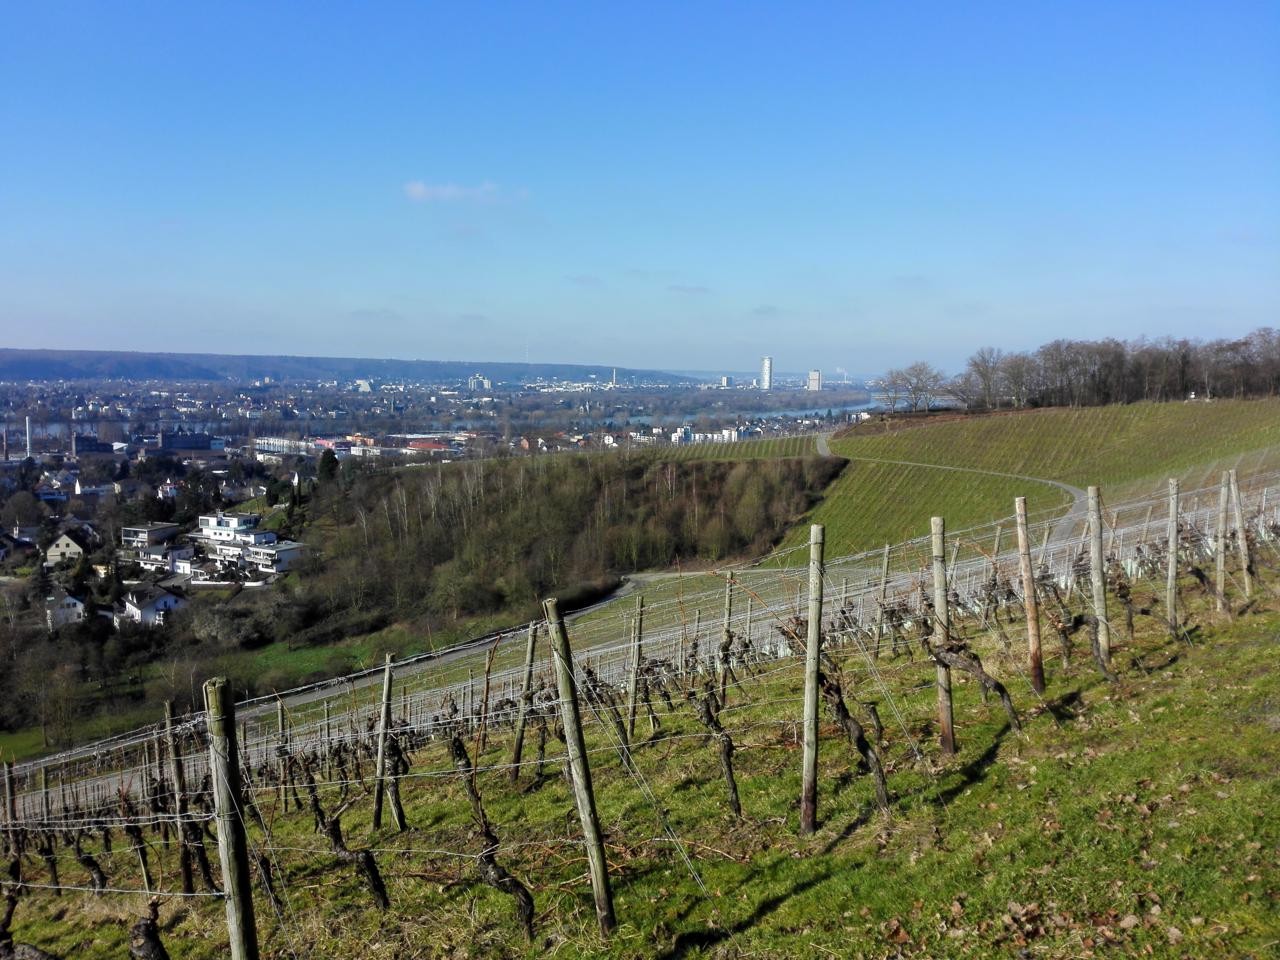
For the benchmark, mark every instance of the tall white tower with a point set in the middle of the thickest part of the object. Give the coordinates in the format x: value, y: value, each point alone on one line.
x: 766, y: 373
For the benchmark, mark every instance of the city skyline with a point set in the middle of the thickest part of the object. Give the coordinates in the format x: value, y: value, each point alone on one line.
x: 876, y: 186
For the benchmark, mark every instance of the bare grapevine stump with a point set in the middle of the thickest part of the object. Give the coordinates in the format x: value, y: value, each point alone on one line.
x: 491, y: 872
x: 707, y: 708
x: 144, y: 936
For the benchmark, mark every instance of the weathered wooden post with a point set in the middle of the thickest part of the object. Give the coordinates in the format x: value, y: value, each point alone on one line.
x: 10, y: 805
x: 633, y: 681
x: 884, y: 596
x: 942, y: 636
x: 1171, y: 580
x: 526, y: 696
x: 1031, y: 602
x: 328, y: 744
x: 176, y: 774
x: 469, y: 705
x: 233, y: 850
x: 1242, y: 541
x: 812, y: 652
x: 580, y: 767
x: 282, y: 749
x: 1220, y: 543
x: 1044, y: 546
x: 1097, y: 578
x: 697, y: 642
x: 384, y: 725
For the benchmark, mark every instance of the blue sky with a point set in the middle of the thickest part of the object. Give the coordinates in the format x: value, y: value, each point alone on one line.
x: 683, y: 186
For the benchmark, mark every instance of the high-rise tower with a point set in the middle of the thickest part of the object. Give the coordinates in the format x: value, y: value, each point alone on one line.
x: 766, y: 373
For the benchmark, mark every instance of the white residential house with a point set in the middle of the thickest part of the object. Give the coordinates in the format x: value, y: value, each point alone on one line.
x: 275, y: 557
x: 142, y: 535
x: 226, y: 527
x: 198, y: 569
x: 228, y: 537
x: 62, y: 608
x: 164, y: 556
x: 68, y: 546
x: 147, y: 605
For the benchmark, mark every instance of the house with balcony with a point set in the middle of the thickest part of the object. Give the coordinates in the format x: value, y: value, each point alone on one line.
x: 139, y: 536
x: 274, y: 557
x: 227, y: 538
x: 164, y: 556
x: 226, y: 527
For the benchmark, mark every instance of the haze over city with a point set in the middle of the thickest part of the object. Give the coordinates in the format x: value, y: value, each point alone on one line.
x: 666, y: 186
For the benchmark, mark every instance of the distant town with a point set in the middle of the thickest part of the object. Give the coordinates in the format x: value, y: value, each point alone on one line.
x: 152, y: 489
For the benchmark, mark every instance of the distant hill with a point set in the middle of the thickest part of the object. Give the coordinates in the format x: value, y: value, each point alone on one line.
x: 122, y: 365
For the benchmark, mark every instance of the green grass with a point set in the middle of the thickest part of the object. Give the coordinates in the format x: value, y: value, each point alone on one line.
x: 22, y: 744
x: 1128, y: 450
x: 1136, y: 820
x: 871, y: 504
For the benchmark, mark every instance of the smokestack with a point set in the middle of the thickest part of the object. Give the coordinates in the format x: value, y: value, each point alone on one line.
x: 28, y: 438
x: 73, y: 443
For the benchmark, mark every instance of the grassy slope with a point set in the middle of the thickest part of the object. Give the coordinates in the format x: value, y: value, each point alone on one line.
x: 1144, y: 819
x: 744, y: 449
x: 1127, y: 449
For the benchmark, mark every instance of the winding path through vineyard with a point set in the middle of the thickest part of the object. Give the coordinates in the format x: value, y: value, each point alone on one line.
x: 1062, y: 530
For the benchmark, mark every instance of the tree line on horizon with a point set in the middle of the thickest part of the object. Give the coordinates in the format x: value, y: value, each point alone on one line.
x: 1086, y: 373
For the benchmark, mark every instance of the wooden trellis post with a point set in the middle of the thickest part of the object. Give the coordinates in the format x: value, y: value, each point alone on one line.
x: 1220, y: 543
x: 813, y: 649
x: 233, y: 849
x: 1242, y: 541
x: 1097, y: 578
x: 328, y: 744
x: 176, y: 774
x: 884, y: 596
x: 942, y: 636
x: 282, y: 748
x: 384, y: 725
x: 10, y: 808
x: 633, y: 682
x: 580, y: 767
x: 726, y: 637
x: 1171, y: 579
x: 526, y: 694
x: 1030, y: 602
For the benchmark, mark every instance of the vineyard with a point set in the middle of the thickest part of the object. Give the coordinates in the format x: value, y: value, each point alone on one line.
x: 768, y: 448
x: 881, y: 498
x: 429, y: 809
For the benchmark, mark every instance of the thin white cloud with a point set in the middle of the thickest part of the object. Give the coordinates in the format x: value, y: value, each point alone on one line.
x: 419, y: 191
